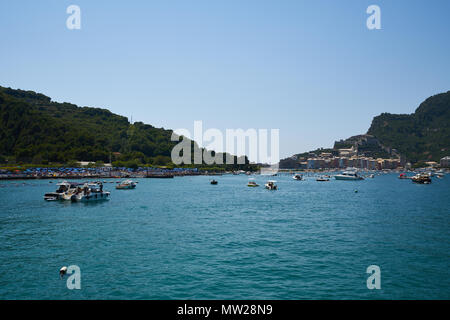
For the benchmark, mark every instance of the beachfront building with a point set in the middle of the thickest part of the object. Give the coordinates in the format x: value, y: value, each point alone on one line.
x: 312, y: 164
x: 360, y: 162
x: 347, y: 152
x: 343, y: 162
x: 334, y: 163
x: 445, y: 162
x: 432, y: 164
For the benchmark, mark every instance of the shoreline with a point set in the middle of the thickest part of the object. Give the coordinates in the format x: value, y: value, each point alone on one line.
x: 76, y: 177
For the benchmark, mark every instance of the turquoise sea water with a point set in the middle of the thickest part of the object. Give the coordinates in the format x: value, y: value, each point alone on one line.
x: 183, y: 238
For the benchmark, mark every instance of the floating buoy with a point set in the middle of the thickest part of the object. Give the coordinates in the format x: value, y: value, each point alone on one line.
x: 62, y: 271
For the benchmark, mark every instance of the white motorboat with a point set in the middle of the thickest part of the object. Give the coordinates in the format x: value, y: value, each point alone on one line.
x: 127, y: 184
x: 298, y: 177
x: 270, y: 185
x: 63, y: 188
x: 349, y: 175
x: 88, y: 192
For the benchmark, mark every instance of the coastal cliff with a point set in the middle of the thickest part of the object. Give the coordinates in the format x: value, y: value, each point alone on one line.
x: 418, y: 137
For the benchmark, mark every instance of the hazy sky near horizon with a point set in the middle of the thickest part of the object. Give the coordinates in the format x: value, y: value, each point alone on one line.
x: 309, y: 68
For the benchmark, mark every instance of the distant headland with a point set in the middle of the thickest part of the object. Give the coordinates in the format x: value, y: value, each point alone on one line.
x: 393, y: 140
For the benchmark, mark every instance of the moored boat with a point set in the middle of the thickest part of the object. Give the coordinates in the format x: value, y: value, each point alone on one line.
x: 422, y: 178
x: 127, y: 184
x: 63, y: 187
x: 270, y: 185
x: 252, y: 183
x: 349, y: 175
x: 88, y: 192
x: 298, y: 177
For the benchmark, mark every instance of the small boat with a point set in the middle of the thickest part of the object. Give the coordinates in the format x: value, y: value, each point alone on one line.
x: 214, y: 182
x: 252, y: 183
x: 322, y: 179
x: 348, y: 175
x: 403, y: 176
x: 440, y: 174
x: 127, y: 184
x: 89, y: 192
x: 298, y: 177
x: 422, y: 178
x: 63, y: 187
x: 270, y: 185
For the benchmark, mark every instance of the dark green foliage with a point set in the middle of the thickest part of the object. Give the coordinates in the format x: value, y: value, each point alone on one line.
x: 374, y: 151
x: 34, y: 129
x: 421, y: 136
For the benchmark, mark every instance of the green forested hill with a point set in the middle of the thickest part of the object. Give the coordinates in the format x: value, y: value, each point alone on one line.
x: 421, y: 136
x: 34, y: 129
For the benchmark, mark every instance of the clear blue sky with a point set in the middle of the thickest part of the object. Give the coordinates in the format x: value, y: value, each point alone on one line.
x: 310, y: 68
